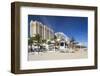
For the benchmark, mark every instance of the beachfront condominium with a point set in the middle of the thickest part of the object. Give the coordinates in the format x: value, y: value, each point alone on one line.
x: 44, y: 31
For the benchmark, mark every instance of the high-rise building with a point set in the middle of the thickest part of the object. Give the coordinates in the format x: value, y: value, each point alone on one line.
x: 44, y: 31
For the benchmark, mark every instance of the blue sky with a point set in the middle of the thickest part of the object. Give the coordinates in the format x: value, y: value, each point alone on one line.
x: 76, y: 27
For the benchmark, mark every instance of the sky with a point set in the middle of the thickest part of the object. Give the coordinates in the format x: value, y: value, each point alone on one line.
x: 76, y: 27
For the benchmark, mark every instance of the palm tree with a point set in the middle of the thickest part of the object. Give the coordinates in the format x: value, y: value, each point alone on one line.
x: 72, y: 41
x: 55, y: 37
x: 44, y: 41
x: 38, y: 40
x: 57, y: 41
x: 30, y: 42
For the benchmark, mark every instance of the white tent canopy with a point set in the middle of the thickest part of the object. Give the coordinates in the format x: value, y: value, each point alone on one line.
x: 61, y: 35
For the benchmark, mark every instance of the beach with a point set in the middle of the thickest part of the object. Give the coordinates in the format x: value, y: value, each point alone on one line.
x: 56, y: 55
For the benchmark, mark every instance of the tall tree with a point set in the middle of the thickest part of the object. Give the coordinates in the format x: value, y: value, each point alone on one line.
x: 30, y: 42
x: 38, y: 38
x: 72, y: 41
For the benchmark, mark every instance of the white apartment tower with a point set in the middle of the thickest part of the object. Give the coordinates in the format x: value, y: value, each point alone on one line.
x: 44, y: 31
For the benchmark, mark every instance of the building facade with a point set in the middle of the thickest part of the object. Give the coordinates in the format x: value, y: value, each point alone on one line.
x: 44, y: 31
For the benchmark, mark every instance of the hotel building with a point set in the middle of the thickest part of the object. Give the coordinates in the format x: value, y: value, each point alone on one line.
x: 44, y: 31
